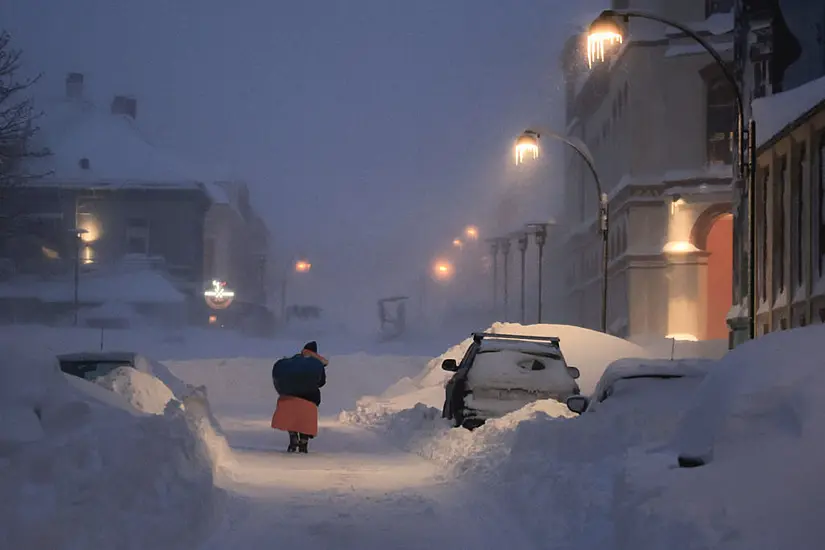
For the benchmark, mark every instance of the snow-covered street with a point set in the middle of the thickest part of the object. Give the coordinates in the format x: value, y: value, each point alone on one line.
x: 355, y: 489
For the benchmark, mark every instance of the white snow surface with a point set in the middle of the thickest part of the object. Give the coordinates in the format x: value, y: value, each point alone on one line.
x: 142, y: 391
x: 775, y: 112
x: 757, y: 418
x: 81, y: 468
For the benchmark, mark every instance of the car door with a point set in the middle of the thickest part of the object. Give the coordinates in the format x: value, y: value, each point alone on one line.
x: 456, y: 387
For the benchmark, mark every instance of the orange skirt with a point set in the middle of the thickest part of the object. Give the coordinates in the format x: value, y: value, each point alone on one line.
x: 293, y: 414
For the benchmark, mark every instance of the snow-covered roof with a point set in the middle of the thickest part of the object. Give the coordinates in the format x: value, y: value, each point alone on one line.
x: 118, y: 154
x: 137, y: 286
x: 776, y: 112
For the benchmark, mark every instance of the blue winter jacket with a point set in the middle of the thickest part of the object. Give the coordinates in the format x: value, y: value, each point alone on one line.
x: 299, y: 376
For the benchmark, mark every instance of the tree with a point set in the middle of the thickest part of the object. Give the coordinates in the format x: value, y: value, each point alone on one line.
x: 17, y: 116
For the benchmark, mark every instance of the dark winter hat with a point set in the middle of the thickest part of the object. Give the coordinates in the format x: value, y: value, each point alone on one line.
x: 312, y: 346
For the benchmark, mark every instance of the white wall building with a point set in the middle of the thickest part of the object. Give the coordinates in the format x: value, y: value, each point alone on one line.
x: 657, y: 115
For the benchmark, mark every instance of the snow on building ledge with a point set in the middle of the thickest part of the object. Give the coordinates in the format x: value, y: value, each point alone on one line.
x: 780, y: 112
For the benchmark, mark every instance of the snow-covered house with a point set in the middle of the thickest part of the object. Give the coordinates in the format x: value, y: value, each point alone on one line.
x: 657, y: 115
x: 135, y: 205
x: 781, y: 55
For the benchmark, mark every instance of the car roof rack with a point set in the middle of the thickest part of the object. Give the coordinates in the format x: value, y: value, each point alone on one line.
x: 478, y: 336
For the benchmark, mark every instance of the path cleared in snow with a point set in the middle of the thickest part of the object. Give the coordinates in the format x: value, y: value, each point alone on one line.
x: 353, y: 490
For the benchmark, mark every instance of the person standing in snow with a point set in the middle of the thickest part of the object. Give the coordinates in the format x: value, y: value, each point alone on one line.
x: 298, y: 381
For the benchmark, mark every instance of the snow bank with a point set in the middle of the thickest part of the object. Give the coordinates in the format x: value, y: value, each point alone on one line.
x: 81, y: 468
x: 556, y: 469
x: 757, y: 419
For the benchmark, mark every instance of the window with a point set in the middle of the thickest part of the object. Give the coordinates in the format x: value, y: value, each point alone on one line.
x: 137, y: 236
x: 821, y: 210
x: 717, y: 6
x: 762, y: 234
x: 721, y: 118
x: 778, y: 247
x: 797, y: 216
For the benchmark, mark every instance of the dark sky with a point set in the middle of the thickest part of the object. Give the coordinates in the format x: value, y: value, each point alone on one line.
x: 360, y: 124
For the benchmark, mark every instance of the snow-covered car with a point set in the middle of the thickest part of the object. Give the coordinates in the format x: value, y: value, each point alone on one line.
x: 93, y: 365
x: 629, y: 377
x: 501, y: 373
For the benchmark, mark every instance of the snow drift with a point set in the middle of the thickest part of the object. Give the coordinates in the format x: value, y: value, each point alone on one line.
x: 82, y: 468
x: 757, y: 421
x: 556, y: 470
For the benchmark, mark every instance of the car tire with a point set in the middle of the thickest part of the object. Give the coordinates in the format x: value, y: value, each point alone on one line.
x: 472, y: 423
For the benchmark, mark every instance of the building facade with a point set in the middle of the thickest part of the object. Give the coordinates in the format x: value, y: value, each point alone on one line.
x: 780, y: 55
x: 657, y: 116
x: 134, y: 206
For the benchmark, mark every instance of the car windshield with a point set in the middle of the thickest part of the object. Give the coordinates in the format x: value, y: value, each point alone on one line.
x: 91, y: 369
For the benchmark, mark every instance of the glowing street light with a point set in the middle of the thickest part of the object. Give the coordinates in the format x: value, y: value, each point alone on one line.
x: 443, y: 270
x: 527, y: 145
x: 471, y: 232
x: 458, y: 243
x: 302, y: 266
x: 604, y: 31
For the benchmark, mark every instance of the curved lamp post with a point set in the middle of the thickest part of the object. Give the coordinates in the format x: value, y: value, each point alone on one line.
x: 608, y: 28
x: 78, y: 233
x: 528, y: 144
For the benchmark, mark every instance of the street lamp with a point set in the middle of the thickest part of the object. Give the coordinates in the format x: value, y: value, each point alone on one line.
x: 494, y: 255
x: 610, y: 24
x: 521, y: 241
x: 78, y: 233
x: 504, y: 243
x: 540, y: 232
x: 471, y: 233
x: 458, y: 243
x: 529, y: 141
x: 300, y: 266
x: 443, y: 270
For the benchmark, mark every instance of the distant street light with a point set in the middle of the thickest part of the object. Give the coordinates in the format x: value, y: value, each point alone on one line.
x: 78, y: 233
x: 457, y: 243
x: 443, y: 270
x: 522, y: 248
x: 300, y: 266
x: 528, y: 141
x: 471, y: 233
x: 608, y: 26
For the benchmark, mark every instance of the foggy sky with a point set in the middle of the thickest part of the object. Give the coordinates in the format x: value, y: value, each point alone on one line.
x: 359, y: 124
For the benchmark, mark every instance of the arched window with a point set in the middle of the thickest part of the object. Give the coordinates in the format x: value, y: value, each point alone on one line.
x: 720, y: 121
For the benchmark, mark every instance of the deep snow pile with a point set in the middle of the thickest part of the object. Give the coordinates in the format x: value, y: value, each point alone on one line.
x: 81, y: 468
x: 757, y: 420
x: 149, y: 394
x: 556, y: 471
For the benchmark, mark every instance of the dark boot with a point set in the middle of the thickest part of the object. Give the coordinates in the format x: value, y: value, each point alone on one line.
x: 293, y: 442
x: 303, y: 443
